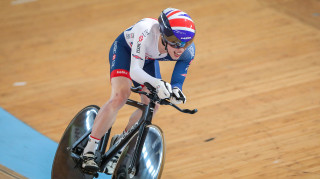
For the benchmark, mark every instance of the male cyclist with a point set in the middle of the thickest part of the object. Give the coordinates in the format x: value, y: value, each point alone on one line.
x: 134, y: 58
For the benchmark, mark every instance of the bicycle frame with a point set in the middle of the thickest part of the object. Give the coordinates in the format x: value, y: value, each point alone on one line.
x: 146, y: 118
x: 147, y: 113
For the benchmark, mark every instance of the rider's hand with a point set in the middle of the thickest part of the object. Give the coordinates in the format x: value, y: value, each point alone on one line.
x: 164, y: 89
x: 177, y: 96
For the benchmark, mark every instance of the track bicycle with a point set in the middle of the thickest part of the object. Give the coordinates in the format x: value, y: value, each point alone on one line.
x: 143, y: 146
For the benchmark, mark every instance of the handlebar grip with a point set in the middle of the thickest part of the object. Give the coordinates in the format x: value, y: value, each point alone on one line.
x: 190, y: 111
x: 163, y: 101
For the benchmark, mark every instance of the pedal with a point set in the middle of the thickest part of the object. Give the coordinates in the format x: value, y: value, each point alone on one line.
x: 90, y: 171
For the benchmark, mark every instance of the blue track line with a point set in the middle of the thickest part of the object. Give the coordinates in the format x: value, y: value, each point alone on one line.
x: 25, y: 150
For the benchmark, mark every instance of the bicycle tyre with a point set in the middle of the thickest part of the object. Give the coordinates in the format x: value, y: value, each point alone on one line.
x: 151, y: 161
x: 63, y: 165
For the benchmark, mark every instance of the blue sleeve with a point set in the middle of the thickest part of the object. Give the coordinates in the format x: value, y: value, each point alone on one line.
x: 181, y: 68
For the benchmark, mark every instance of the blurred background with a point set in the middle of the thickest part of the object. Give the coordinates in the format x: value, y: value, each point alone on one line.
x: 255, y: 79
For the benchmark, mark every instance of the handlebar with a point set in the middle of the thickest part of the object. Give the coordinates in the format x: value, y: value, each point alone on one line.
x: 154, y: 97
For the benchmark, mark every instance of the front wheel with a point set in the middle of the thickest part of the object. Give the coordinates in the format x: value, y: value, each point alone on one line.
x: 63, y: 165
x: 151, y: 160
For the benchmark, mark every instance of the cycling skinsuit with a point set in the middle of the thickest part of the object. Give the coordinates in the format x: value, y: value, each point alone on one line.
x: 135, y: 55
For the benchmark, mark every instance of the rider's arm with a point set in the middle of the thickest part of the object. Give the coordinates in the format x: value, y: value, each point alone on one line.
x: 140, y: 42
x: 181, y: 68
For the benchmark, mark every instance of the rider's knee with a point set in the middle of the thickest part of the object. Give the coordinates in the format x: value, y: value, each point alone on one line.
x: 119, y: 99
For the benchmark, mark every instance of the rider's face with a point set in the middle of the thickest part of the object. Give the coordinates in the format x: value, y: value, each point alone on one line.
x: 175, y: 53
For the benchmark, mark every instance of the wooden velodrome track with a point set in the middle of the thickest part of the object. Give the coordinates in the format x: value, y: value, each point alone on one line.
x: 255, y: 79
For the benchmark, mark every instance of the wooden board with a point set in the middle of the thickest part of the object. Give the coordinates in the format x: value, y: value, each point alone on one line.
x: 9, y: 174
x: 255, y: 79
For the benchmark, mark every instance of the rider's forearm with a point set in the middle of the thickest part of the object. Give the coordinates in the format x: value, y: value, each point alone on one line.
x: 140, y: 76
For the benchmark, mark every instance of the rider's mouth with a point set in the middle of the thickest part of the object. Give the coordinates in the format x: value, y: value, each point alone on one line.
x: 177, y: 54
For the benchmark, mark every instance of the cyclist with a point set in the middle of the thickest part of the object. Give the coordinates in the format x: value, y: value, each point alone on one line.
x: 134, y: 58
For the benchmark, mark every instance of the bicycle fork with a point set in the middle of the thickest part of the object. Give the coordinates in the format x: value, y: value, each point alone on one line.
x: 132, y: 170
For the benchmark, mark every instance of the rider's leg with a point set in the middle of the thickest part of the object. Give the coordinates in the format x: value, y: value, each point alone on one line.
x: 138, y: 113
x: 107, y: 114
x: 119, y: 59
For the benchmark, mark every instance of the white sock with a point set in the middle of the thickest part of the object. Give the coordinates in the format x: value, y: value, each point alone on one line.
x: 92, y: 145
